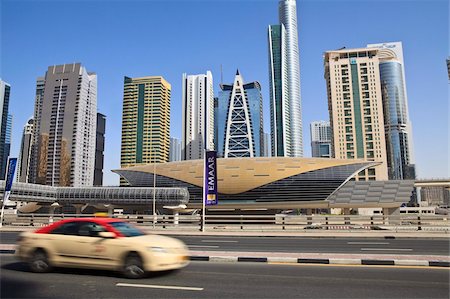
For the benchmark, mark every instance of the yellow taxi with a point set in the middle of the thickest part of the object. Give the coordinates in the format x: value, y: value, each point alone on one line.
x: 100, y: 243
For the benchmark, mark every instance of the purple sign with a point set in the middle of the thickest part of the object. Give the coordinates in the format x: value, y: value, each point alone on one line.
x: 210, y: 186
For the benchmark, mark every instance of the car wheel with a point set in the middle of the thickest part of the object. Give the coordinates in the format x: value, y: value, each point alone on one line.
x: 133, y: 266
x: 39, y: 262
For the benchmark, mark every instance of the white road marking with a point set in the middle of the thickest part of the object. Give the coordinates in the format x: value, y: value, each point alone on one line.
x: 368, y: 243
x: 219, y: 241
x: 203, y: 246
x: 151, y: 286
x: 386, y: 249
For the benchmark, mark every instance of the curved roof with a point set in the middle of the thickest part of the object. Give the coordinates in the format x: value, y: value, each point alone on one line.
x: 236, y: 175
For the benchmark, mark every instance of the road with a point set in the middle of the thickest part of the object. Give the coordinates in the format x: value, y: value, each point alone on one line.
x: 222, y: 280
x: 304, y: 245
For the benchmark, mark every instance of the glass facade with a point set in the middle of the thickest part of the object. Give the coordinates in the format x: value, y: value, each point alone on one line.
x: 253, y: 97
x: 396, y: 121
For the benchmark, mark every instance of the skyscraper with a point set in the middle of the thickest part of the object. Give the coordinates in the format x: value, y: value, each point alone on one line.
x: 356, y: 108
x: 198, y: 115
x: 267, y: 151
x: 397, y: 126
x: 23, y: 169
x: 321, y: 139
x: 65, y: 127
x: 175, y: 149
x: 5, y: 90
x: 240, y: 120
x: 145, y: 121
x: 99, y: 149
x: 284, y: 78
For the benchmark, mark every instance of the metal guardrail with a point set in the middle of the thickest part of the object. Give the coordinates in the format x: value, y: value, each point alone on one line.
x: 279, y: 222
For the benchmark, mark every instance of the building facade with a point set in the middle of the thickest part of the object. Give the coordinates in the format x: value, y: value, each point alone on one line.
x: 267, y: 149
x: 240, y: 120
x: 284, y: 78
x: 23, y: 169
x: 5, y: 90
x: 356, y: 108
x: 65, y: 127
x: 145, y: 121
x: 397, y: 125
x: 99, y: 149
x: 198, y: 115
x: 321, y: 139
x: 175, y: 149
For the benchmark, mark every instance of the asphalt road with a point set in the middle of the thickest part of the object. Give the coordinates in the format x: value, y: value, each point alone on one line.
x: 304, y: 245
x: 222, y: 280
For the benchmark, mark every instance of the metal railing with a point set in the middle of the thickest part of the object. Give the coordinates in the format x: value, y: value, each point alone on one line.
x: 279, y: 222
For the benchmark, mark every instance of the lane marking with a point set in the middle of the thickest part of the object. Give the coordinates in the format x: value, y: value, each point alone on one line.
x: 219, y: 241
x: 368, y: 243
x: 203, y: 246
x: 151, y: 286
x: 386, y: 249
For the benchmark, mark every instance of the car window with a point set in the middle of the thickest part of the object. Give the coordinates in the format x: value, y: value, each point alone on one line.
x: 68, y: 228
x: 90, y: 229
x: 126, y: 229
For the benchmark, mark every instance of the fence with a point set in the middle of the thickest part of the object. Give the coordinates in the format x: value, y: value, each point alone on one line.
x: 279, y: 222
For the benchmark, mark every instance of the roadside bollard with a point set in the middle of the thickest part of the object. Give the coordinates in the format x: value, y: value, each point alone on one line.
x: 283, y: 222
x: 419, y: 225
x: 326, y: 223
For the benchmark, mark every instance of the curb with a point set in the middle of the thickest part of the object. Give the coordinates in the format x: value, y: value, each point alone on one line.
x: 290, y: 260
x: 370, y: 262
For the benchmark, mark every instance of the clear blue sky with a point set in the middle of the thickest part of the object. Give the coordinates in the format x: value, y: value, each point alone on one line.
x: 143, y: 38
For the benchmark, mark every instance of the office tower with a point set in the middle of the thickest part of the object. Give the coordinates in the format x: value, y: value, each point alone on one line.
x: 240, y: 120
x: 321, y: 139
x: 198, y: 115
x: 99, y: 149
x: 284, y: 77
x: 267, y: 151
x: 356, y: 108
x: 7, y: 149
x: 65, y: 127
x: 145, y: 121
x: 23, y: 168
x: 175, y: 149
x: 397, y: 126
x: 5, y: 90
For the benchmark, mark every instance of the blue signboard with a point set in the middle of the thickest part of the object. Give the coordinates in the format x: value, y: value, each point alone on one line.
x: 10, y: 174
x: 210, y: 186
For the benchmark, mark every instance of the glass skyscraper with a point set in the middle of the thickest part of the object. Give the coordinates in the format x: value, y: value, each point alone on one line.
x: 5, y: 90
x: 397, y: 126
x: 239, y: 120
x: 284, y: 78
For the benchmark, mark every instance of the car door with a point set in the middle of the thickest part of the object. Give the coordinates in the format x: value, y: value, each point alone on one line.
x: 96, y: 251
x: 65, y: 242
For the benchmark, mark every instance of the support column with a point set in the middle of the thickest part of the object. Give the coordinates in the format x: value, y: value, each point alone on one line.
x: 176, y: 217
x: 110, y: 210
x: 51, y: 212
x: 346, y: 211
x: 393, y: 214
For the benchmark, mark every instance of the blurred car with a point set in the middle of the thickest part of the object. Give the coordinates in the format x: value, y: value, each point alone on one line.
x: 100, y: 243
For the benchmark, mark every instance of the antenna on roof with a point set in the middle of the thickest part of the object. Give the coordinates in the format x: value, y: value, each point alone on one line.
x: 221, y: 74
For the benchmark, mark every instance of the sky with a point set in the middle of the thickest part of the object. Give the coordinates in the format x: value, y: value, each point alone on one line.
x: 117, y: 38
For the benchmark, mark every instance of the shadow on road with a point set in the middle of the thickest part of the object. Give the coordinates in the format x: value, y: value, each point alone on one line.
x: 23, y: 267
x: 13, y: 288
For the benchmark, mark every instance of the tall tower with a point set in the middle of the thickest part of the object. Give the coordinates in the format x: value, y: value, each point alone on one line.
x: 99, y: 149
x: 198, y: 115
x: 397, y: 126
x: 65, y: 127
x: 145, y: 121
x: 5, y: 90
x: 356, y: 108
x: 321, y: 139
x: 240, y: 120
x: 284, y: 77
x: 23, y: 169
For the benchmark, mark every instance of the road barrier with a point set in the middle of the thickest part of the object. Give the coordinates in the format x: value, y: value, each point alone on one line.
x: 279, y: 222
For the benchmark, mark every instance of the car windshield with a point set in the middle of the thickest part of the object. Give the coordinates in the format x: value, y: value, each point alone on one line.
x: 127, y: 229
